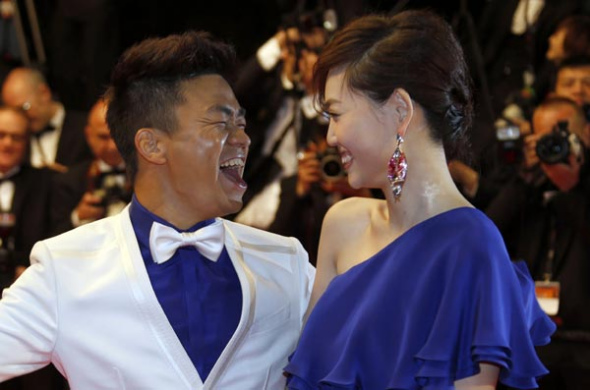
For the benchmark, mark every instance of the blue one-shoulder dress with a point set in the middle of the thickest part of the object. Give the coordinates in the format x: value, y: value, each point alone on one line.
x: 423, y: 312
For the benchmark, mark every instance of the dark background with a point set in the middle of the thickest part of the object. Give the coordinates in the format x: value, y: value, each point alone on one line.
x: 83, y: 38
x: 248, y: 23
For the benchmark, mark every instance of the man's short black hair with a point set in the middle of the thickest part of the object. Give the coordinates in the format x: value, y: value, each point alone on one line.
x: 146, y: 84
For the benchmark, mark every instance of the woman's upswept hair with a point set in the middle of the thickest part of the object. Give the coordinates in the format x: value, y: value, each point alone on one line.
x: 413, y: 50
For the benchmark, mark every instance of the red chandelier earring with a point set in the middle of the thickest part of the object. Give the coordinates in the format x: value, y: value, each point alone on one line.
x: 397, y: 169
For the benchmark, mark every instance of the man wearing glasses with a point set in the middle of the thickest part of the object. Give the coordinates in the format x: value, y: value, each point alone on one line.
x: 57, y: 134
x: 24, y: 197
x: 24, y: 215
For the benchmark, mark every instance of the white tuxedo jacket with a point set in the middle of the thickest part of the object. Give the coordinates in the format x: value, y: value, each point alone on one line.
x: 86, y: 304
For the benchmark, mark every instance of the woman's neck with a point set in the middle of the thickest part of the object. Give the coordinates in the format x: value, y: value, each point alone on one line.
x: 429, y: 190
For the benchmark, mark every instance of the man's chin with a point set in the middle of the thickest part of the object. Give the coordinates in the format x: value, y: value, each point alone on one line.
x: 6, y: 166
x: 234, y: 207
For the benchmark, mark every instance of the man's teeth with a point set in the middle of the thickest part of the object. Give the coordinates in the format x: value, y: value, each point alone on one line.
x: 346, y: 158
x: 234, y: 162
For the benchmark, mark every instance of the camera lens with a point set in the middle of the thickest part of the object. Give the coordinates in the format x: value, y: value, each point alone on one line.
x: 331, y: 166
x: 553, y: 148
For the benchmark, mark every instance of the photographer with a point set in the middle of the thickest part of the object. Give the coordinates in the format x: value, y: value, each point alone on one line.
x: 543, y: 215
x: 24, y: 218
x: 273, y: 88
x: 306, y: 196
x: 572, y: 81
x: 287, y: 193
x: 24, y: 197
x: 92, y: 189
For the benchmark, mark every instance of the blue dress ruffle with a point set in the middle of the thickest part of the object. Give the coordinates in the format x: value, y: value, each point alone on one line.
x: 424, y: 312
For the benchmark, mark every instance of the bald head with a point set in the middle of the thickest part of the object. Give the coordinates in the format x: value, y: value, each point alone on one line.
x: 26, y: 89
x: 26, y: 76
x: 556, y: 109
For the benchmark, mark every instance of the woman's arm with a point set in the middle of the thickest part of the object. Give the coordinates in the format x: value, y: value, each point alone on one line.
x: 327, y: 258
x: 485, y: 380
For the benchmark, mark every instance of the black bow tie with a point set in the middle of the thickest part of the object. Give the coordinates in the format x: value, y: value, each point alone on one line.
x: 47, y: 129
x: 113, y: 171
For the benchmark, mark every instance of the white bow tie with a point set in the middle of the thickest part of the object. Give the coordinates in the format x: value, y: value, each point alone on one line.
x: 164, y: 241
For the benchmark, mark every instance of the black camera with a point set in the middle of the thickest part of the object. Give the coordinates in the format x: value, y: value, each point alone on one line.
x: 554, y: 147
x: 110, y: 195
x: 331, y: 164
x: 111, y: 188
x: 307, y: 15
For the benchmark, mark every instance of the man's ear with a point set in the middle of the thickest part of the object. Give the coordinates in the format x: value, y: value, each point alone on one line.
x: 403, y: 109
x: 44, y: 92
x: 150, y: 146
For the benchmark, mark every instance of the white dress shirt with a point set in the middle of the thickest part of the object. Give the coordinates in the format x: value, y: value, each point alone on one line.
x: 44, y: 148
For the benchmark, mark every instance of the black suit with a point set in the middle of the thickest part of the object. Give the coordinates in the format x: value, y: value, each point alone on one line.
x: 526, y: 221
x: 301, y: 217
x: 505, y: 55
x: 72, y: 146
x: 261, y: 94
x: 30, y: 206
x: 67, y: 188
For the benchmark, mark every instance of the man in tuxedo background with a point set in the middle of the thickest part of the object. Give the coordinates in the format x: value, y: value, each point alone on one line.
x: 165, y: 294
x: 57, y: 136
x: 24, y: 219
x: 543, y: 214
x: 290, y: 186
x: 92, y: 189
x: 24, y: 197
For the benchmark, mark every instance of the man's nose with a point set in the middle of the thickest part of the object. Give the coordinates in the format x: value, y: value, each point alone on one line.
x: 6, y: 140
x: 239, y: 137
x: 112, y: 145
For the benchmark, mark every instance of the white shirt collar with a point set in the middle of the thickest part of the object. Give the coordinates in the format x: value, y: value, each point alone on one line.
x: 104, y: 167
x: 57, y: 121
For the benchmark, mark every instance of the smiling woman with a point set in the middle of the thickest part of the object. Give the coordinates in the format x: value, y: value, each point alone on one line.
x: 416, y: 290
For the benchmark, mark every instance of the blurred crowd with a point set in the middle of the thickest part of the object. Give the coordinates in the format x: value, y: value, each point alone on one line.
x: 528, y: 168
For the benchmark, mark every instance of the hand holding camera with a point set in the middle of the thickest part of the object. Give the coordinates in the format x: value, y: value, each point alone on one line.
x: 552, y: 148
x: 530, y: 158
x: 559, y: 154
x: 308, y: 170
x: 564, y: 176
x: 90, y: 207
x: 321, y: 164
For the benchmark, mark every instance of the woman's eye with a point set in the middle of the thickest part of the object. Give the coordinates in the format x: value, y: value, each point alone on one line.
x: 329, y: 115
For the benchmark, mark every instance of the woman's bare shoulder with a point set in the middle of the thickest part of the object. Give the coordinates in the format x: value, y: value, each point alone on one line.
x: 352, y: 214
